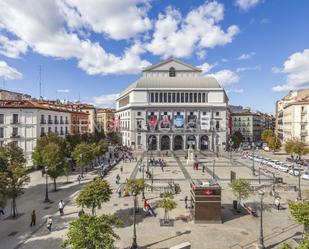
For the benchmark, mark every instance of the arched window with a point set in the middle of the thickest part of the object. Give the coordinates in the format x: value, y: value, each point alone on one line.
x: 172, y: 72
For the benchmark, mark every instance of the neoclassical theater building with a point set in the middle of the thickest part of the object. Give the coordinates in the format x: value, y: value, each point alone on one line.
x: 172, y: 106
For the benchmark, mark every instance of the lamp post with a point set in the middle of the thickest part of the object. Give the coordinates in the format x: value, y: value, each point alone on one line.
x: 46, y: 185
x: 261, y: 237
x: 143, y: 191
x: 213, y: 169
x: 253, y: 148
x: 299, y: 190
x: 231, y: 144
x: 134, y: 242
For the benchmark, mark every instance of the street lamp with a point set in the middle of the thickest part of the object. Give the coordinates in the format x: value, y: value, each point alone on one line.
x: 213, y: 169
x: 231, y: 144
x: 143, y: 192
x: 46, y: 185
x: 134, y: 242
x: 253, y: 148
x: 261, y: 238
x: 299, y: 190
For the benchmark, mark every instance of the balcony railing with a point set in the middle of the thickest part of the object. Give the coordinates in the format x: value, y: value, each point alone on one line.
x: 61, y: 122
x: 66, y: 122
x: 56, y: 122
x: 43, y: 121
x: 15, y: 135
x: 15, y: 122
x: 42, y: 134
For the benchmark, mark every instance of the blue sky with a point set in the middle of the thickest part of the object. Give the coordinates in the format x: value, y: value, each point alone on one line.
x: 91, y: 50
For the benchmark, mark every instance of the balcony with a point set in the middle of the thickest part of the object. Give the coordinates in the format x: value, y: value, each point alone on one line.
x: 15, y: 122
x: 50, y: 122
x: 56, y: 121
x: 15, y: 135
x: 66, y: 122
x: 61, y: 122
x: 61, y: 133
x: 43, y: 121
x: 42, y: 134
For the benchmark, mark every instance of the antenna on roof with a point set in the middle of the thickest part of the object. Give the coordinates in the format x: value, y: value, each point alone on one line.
x: 40, y: 80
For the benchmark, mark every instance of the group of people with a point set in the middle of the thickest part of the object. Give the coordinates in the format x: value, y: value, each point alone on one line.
x: 148, y: 209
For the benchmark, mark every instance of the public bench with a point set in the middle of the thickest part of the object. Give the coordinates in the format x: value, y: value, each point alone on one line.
x: 250, y: 210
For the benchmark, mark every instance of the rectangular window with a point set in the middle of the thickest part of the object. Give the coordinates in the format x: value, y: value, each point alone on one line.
x: 169, y: 97
x: 217, y: 114
x: 191, y: 99
x: 139, y: 113
x: 1, y: 118
x: 156, y: 97
x: 199, y: 97
x: 178, y: 98
x: 1, y: 132
x: 217, y: 125
x: 49, y: 129
x: 56, y: 129
x: 173, y: 97
x: 151, y: 97
x: 165, y: 97
x: 15, y: 118
x: 204, y: 113
x: 182, y: 97
x: 203, y: 98
x: 186, y: 98
x: 15, y: 132
x: 161, y: 98
x: 195, y: 97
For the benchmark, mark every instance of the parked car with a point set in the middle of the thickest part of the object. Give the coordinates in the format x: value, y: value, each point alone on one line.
x: 284, y: 168
x: 295, y: 171
x: 305, y: 176
x: 266, y: 148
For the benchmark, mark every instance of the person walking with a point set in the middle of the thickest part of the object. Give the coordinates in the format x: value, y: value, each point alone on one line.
x: 79, y: 179
x: 121, y: 169
x: 33, y: 218
x: 119, y: 192
x: 277, y: 203
x: 186, y: 202
x: 61, y: 207
x: 117, y: 179
x: 204, y: 168
x: 49, y: 223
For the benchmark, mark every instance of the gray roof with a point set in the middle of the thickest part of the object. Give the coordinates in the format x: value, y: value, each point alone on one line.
x: 173, y: 83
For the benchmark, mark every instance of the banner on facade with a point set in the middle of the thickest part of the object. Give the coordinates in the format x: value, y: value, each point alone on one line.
x: 165, y: 122
x: 178, y: 121
x: 152, y: 122
x: 191, y: 121
x: 205, y: 121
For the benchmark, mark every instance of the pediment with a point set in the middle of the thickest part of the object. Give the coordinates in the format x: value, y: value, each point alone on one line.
x: 167, y: 64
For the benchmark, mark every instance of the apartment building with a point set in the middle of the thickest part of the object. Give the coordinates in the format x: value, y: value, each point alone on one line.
x: 105, y: 119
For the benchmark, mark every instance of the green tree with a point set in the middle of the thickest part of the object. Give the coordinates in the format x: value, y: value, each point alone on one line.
x: 113, y: 137
x: 296, y: 147
x: 94, y: 194
x: 2, y: 200
x: 299, y: 210
x: 54, y: 160
x: 286, y: 246
x: 266, y: 135
x: 304, y: 244
x: 274, y: 143
x: 237, y: 138
x: 135, y: 187
x: 168, y: 205
x: 37, y: 154
x: 83, y: 155
x: 13, y: 173
x: 241, y: 189
x: 92, y: 232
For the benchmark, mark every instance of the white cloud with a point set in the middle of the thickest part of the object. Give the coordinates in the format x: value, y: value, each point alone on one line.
x: 201, y: 54
x: 246, y: 4
x: 63, y: 91
x: 9, y: 73
x: 235, y: 90
x: 276, y: 70
x: 243, y: 69
x: 12, y: 48
x: 296, y: 70
x: 206, y: 67
x: 44, y: 29
x: 225, y: 77
x: 246, y: 56
x: 107, y: 100
x: 179, y: 36
x: 118, y: 19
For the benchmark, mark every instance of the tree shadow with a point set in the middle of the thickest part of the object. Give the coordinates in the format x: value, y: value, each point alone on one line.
x: 228, y: 213
x: 42, y: 243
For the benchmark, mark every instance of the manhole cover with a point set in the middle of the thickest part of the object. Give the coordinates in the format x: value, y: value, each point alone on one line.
x: 13, y: 233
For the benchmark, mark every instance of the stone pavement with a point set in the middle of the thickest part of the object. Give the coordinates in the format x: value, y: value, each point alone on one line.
x: 237, y: 231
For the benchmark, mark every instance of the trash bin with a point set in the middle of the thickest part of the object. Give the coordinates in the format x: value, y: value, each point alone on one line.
x: 235, y: 204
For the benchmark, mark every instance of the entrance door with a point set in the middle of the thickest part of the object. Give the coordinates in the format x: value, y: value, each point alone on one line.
x: 178, y: 143
x: 165, y: 142
x: 191, y: 141
x: 152, y: 142
x: 204, y: 142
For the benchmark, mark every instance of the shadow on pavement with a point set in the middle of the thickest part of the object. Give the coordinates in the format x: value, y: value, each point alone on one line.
x: 42, y: 243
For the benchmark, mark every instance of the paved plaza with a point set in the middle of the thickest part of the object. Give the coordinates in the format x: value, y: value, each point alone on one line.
x: 236, y: 231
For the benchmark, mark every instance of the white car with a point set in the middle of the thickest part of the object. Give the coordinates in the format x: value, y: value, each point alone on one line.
x: 283, y: 167
x: 305, y: 176
x: 266, y: 148
x: 294, y: 172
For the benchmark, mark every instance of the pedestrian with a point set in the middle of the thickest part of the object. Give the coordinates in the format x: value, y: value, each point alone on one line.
x: 79, y: 179
x: 33, y: 218
x: 204, y: 168
x: 121, y: 169
x: 277, y: 203
x: 86, y: 170
x: 139, y: 168
x: 186, y: 202
x: 191, y: 202
x: 61, y: 207
x: 49, y: 223
x: 117, y: 179
x: 1, y: 211
x: 43, y: 172
x: 119, y: 192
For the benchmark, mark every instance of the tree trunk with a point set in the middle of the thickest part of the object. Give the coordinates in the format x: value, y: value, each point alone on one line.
x: 14, y: 211
x: 165, y: 217
x: 93, y: 210
x: 55, y: 185
x: 82, y: 171
x: 67, y: 178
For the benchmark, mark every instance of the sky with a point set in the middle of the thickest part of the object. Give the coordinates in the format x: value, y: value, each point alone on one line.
x: 90, y: 50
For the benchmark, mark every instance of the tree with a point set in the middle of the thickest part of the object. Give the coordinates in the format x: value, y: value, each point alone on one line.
x: 83, y: 155
x: 92, y: 232
x: 168, y: 205
x: 286, y: 246
x: 266, y: 135
x: 113, y: 137
x: 13, y: 173
x: 237, y: 138
x: 50, y: 137
x: 299, y: 210
x: 53, y: 159
x: 296, y: 147
x: 2, y: 200
x: 94, y: 194
x: 274, y: 143
x: 241, y: 189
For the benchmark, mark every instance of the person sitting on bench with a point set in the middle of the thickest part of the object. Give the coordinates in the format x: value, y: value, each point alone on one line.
x: 148, y: 209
